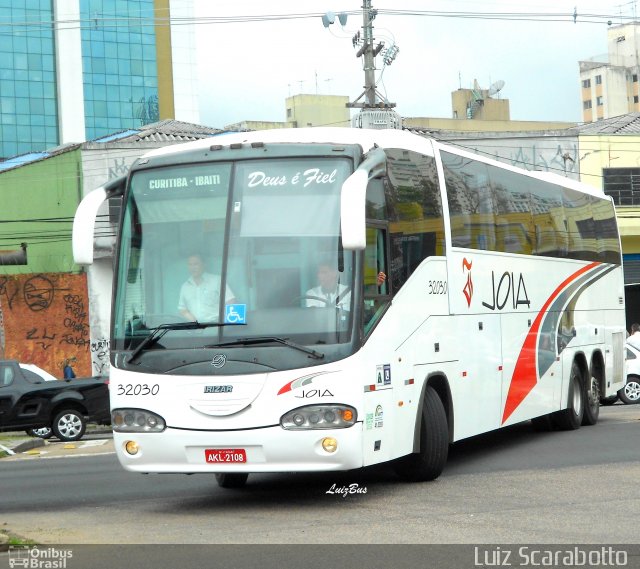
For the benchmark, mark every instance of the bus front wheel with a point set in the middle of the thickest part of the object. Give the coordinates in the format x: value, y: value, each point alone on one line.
x: 434, y: 443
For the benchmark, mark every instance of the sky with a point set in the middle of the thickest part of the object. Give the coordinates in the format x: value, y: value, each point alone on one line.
x: 248, y: 68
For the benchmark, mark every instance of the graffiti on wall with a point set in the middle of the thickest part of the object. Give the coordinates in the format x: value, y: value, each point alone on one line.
x: 45, y: 321
x: 100, y: 356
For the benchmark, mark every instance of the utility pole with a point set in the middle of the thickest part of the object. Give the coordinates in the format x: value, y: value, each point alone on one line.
x: 368, y: 51
x: 375, y: 110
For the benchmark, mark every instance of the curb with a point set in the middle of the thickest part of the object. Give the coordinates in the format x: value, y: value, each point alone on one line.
x: 28, y: 445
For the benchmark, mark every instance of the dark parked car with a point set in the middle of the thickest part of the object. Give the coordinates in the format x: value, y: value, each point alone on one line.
x: 32, y: 399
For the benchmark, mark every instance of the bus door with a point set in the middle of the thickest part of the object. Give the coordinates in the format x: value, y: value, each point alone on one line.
x: 378, y: 400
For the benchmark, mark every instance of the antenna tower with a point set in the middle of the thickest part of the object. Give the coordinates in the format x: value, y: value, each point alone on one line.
x: 375, y: 110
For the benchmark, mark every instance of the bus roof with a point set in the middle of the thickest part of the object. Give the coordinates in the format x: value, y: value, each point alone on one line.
x: 367, y: 138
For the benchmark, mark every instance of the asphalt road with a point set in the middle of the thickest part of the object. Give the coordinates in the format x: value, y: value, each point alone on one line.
x: 515, y: 486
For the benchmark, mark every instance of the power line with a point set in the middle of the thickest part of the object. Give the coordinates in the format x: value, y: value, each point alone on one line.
x: 102, y: 22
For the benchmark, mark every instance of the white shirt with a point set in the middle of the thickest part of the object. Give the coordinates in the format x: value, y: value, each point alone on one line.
x: 203, y: 300
x: 634, y: 340
x: 319, y: 297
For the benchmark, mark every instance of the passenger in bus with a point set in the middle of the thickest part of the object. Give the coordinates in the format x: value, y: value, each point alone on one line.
x: 634, y: 338
x: 200, y: 294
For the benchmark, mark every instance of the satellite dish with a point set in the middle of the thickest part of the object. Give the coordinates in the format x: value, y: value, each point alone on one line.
x: 496, y: 87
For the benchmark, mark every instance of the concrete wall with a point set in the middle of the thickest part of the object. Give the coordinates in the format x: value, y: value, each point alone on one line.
x: 47, y: 189
x: 45, y: 320
x: 620, y: 151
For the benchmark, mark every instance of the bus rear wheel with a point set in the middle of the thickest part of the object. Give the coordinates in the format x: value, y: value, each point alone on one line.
x: 434, y: 443
x: 592, y: 403
x: 570, y: 418
x: 231, y: 479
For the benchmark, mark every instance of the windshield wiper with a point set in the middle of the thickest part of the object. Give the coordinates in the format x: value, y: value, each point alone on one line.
x: 267, y: 340
x: 162, y: 329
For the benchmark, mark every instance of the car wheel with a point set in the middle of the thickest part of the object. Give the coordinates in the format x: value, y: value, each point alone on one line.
x: 42, y: 432
x: 231, y: 479
x: 630, y: 393
x: 69, y: 425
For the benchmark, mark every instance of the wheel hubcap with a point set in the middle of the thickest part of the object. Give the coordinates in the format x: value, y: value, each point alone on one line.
x: 69, y: 425
x: 594, y: 393
x: 632, y: 390
x: 577, y: 400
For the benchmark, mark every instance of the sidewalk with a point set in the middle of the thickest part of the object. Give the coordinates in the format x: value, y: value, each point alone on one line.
x: 15, y: 446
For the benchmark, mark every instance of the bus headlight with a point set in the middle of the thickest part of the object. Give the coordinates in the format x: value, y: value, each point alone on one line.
x: 136, y: 421
x: 319, y: 417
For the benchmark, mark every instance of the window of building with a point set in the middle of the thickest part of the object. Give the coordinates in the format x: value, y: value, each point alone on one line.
x: 27, y: 63
x: 586, y: 83
x: 635, y: 98
x: 586, y: 105
x: 598, y: 79
x: 623, y: 185
x: 634, y: 78
x: 119, y: 66
x: 599, y: 101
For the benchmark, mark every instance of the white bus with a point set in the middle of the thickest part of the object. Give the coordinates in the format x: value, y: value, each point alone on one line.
x: 385, y: 295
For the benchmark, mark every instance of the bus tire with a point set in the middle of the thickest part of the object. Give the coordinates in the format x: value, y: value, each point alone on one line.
x: 570, y: 419
x: 434, y: 443
x: 231, y: 479
x: 591, y: 402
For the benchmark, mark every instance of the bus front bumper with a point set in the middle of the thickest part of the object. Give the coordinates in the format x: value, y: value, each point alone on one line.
x: 271, y: 449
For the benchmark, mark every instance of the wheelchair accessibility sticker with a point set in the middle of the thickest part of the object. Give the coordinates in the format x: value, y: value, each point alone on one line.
x: 235, y: 314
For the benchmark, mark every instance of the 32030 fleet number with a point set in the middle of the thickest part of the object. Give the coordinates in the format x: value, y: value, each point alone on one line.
x: 138, y: 389
x: 437, y: 287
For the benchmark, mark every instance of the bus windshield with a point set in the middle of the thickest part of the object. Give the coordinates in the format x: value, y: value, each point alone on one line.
x: 251, y: 247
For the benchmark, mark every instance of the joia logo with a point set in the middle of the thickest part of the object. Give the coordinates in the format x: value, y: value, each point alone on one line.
x: 219, y: 360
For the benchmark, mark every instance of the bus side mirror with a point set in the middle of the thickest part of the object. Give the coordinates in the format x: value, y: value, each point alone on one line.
x: 84, y: 220
x: 353, y: 199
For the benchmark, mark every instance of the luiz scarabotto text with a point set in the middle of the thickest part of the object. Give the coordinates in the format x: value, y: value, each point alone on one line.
x: 549, y: 556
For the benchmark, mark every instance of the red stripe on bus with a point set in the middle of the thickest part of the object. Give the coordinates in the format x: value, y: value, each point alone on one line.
x: 524, y: 376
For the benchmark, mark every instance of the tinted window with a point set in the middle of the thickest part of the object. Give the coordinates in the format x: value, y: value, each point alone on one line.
x: 410, y: 198
x: 529, y: 216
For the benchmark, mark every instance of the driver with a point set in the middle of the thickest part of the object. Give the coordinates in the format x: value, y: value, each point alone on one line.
x: 329, y: 292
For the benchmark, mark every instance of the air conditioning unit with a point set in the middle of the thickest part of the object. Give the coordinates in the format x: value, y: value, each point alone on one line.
x: 377, y: 118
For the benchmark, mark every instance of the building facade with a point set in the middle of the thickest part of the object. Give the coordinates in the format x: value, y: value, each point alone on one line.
x: 609, y: 83
x: 75, y: 70
x: 305, y: 111
x: 50, y: 308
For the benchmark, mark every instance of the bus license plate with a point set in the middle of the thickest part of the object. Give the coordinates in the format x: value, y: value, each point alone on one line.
x: 225, y: 455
